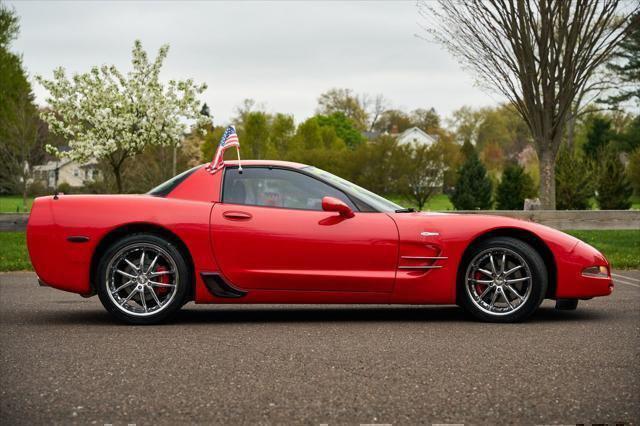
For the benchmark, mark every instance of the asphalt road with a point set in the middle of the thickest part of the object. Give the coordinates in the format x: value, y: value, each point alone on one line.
x: 63, y: 360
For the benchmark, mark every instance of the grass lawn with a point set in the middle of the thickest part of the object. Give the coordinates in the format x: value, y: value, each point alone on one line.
x: 436, y: 203
x: 13, y: 252
x: 622, y: 248
x: 13, y: 203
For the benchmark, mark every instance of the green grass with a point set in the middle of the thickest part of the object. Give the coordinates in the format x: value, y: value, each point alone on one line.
x: 635, y: 202
x: 13, y: 204
x: 621, y: 247
x: 13, y: 252
x: 436, y: 203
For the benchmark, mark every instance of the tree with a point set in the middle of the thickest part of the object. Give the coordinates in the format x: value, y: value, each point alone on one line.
x: 633, y: 170
x: 423, y: 172
x: 514, y: 187
x: 625, y: 66
x: 106, y: 115
x: 473, y: 189
x: 344, y: 127
x: 346, y: 102
x: 20, y: 129
x: 393, y: 119
x: 613, y: 187
x: 426, y: 119
x: 574, y: 180
x: 598, y: 136
x: 537, y: 53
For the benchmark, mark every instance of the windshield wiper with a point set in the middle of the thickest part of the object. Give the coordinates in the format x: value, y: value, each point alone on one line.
x: 409, y: 210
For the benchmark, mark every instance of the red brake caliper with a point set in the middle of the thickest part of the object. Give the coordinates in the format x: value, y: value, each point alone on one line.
x: 164, y: 279
x: 479, y: 287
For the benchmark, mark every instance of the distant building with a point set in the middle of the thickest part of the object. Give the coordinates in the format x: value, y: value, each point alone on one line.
x: 53, y: 173
x: 413, y: 135
x: 416, y: 135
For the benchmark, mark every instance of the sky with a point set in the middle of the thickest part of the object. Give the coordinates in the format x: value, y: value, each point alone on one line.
x: 282, y: 54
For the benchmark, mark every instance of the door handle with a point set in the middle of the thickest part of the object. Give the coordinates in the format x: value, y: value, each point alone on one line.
x: 236, y: 215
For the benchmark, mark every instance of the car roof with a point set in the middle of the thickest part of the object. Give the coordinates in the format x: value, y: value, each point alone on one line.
x: 289, y: 164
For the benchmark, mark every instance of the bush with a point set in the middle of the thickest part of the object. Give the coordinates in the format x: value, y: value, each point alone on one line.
x: 473, y: 186
x: 614, y: 189
x: 515, y: 186
x: 574, y: 181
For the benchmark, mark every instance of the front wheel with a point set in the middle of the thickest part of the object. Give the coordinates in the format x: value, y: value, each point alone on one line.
x: 505, y: 280
x: 142, y: 279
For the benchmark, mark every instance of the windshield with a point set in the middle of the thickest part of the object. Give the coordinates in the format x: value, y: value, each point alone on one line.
x: 374, y: 200
x: 165, y: 188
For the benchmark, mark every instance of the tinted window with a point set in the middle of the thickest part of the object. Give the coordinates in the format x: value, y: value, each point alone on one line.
x: 287, y: 189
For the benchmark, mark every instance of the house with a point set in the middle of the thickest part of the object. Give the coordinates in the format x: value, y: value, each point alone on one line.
x: 415, y: 135
x: 411, y: 135
x: 55, y: 172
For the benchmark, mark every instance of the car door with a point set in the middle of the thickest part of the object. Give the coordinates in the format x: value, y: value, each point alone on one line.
x: 270, y: 232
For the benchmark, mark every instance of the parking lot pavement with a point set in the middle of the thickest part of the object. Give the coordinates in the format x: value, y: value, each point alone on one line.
x: 63, y: 360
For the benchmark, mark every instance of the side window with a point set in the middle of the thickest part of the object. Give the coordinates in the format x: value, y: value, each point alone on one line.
x: 287, y: 189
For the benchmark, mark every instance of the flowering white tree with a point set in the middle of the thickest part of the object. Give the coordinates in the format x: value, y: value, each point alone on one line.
x: 106, y: 115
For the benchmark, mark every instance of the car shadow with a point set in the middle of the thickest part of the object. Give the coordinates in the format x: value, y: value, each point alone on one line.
x: 311, y: 314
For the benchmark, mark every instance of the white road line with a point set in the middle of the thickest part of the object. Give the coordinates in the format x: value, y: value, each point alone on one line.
x: 619, y: 281
x: 625, y: 277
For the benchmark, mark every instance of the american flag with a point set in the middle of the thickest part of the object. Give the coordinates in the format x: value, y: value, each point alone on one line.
x: 229, y: 138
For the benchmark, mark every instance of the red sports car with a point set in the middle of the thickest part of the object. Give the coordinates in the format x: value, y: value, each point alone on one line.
x: 281, y: 232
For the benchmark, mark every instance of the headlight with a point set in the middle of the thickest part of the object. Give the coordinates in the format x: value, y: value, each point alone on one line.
x: 596, y: 271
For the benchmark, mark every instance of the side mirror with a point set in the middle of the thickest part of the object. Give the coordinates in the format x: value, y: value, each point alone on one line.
x: 331, y: 204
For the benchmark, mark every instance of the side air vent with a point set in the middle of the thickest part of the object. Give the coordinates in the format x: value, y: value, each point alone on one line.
x: 219, y: 287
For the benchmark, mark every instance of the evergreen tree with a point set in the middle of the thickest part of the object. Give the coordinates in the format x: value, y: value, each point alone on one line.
x: 598, y: 136
x: 473, y: 187
x: 515, y: 186
x: 614, y: 189
x: 574, y: 181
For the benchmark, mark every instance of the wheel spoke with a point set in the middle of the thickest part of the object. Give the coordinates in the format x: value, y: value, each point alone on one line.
x: 126, y: 274
x: 481, y: 281
x: 157, y: 284
x: 493, y: 299
x: 485, y: 292
x: 142, y: 299
x: 127, y: 284
x: 504, y: 296
x: 155, y: 297
x: 517, y: 280
x: 513, y: 290
x: 512, y: 270
x: 156, y: 274
x: 153, y: 263
x: 130, y: 263
x: 493, y: 265
x: 128, y: 297
x: 142, y: 261
x: 504, y: 262
x: 484, y: 271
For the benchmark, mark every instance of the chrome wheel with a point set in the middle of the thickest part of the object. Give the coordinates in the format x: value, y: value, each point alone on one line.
x: 142, y: 279
x: 498, y: 281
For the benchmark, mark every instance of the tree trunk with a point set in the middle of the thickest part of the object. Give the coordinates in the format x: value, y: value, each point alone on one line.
x: 118, y: 175
x: 547, y: 191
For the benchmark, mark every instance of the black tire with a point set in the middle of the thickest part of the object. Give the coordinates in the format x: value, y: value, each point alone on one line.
x: 169, y: 253
x: 520, y: 252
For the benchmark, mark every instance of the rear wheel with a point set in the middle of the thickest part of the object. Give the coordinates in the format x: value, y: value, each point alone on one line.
x: 142, y: 279
x: 505, y: 280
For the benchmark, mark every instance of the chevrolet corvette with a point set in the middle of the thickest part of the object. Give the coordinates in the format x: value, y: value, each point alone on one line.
x: 283, y: 232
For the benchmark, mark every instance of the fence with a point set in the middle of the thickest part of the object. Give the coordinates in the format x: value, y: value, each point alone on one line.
x: 559, y: 219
